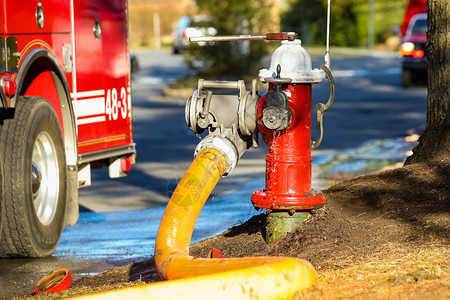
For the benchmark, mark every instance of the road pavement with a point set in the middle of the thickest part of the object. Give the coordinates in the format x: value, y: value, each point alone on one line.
x: 370, y: 104
x: 120, y: 216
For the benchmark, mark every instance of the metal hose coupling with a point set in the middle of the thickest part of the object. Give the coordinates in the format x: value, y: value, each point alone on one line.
x: 222, y: 144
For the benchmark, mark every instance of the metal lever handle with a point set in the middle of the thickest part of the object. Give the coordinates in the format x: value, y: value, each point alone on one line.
x: 322, y: 108
x: 202, y: 84
x: 204, y: 113
x: 201, y: 118
x: 245, y: 37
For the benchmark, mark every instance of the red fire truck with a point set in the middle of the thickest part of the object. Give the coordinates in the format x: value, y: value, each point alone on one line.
x: 65, y: 108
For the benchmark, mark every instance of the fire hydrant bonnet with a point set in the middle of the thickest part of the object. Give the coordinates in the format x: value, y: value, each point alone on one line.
x: 295, y: 64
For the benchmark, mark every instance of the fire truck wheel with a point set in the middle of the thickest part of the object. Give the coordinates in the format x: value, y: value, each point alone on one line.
x: 35, y: 186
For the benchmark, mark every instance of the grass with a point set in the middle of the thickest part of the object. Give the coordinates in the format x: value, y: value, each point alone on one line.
x: 397, y: 275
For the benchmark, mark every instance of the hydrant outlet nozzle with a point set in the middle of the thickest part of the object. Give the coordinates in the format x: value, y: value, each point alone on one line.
x: 277, y: 115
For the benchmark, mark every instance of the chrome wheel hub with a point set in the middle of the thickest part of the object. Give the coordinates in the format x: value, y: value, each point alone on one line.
x: 44, y: 178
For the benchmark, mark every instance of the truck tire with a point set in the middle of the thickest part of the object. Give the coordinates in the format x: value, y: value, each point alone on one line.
x: 35, y: 180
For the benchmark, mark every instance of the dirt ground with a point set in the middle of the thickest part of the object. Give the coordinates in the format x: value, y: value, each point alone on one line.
x: 385, y: 235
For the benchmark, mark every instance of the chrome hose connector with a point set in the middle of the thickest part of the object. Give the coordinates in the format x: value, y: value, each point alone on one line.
x: 222, y: 144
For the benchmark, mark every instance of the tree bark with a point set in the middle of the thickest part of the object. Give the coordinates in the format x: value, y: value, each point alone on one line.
x: 435, y: 141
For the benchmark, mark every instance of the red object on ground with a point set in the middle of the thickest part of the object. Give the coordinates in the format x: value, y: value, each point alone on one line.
x: 215, y: 253
x: 56, y: 281
x: 288, y: 161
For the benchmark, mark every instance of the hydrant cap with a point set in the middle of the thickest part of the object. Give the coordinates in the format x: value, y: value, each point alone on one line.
x: 295, y: 64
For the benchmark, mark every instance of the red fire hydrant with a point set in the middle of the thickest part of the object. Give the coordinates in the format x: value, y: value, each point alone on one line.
x: 284, y: 120
x: 282, y: 116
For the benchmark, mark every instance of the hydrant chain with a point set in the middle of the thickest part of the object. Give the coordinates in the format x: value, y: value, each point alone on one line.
x: 322, y: 108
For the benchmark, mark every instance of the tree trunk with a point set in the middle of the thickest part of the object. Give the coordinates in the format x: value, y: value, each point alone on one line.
x: 435, y: 141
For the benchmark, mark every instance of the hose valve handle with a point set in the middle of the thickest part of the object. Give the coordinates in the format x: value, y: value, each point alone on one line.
x: 204, y: 113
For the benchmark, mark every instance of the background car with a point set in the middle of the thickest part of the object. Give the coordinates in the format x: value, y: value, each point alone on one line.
x: 191, y: 27
x: 413, y: 50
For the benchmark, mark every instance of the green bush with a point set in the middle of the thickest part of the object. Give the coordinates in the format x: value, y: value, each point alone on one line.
x: 349, y: 20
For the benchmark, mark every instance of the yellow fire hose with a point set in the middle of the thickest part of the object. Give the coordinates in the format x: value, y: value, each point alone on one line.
x: 230, y: 278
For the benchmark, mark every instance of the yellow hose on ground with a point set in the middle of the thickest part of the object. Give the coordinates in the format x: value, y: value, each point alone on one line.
x: 280, y: 280
x: 213, y: 278
x: 172, y: 242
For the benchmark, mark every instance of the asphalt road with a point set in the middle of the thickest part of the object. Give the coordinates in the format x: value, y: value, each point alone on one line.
x: 370, y: 104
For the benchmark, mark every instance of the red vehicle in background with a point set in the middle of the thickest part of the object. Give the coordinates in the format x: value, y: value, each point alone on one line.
x: 65, y: 108
x: 413, y: 49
